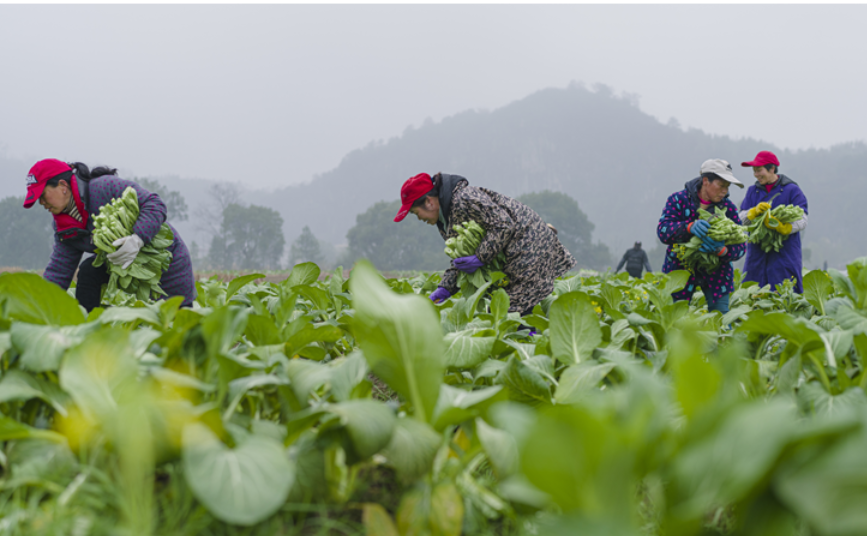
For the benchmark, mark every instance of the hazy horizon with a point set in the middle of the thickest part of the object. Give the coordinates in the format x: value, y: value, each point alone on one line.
x: 272, y: 95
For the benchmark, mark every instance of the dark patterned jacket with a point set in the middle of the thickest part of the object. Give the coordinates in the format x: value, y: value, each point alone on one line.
x: 534, y: 255
x: 681, y: 208
x: 178, y: 280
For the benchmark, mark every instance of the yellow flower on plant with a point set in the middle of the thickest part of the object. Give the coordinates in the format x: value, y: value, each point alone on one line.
x: 461, y: 441
x: 77, y: 427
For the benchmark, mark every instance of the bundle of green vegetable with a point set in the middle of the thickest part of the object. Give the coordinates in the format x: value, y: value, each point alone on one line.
x: 469, y: 236
x: 763, y: 230
x: 140, y: 279
x: 721, y: 229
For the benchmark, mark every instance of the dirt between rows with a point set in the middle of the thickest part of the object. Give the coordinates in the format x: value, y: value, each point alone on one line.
x: 226, y: 276
x: 278, y: 276
x: 270, y: 277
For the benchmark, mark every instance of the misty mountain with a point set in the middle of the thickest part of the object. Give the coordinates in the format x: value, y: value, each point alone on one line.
x: 618, y: 162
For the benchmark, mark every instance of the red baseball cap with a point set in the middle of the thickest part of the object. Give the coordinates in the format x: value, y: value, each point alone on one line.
x: 411, y: 191
x: 762, y: 159
x: 39, y: 175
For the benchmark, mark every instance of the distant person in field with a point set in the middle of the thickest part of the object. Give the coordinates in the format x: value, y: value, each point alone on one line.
x: 771, y: 190
x: 635, y: 259
x: 74, y: 195
x: 534, y: 255
x: 679, y: 223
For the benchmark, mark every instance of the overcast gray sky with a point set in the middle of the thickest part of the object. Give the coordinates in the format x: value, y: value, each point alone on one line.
x: 273, y: 94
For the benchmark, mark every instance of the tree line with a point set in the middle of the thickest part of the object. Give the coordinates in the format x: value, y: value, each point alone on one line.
x: 251, y: 237
x: 620, y: 163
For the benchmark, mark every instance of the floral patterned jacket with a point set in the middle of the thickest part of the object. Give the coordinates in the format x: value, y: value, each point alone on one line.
x: 534, y: 255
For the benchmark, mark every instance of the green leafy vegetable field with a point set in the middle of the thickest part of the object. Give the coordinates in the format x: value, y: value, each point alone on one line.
x: 333, y: 405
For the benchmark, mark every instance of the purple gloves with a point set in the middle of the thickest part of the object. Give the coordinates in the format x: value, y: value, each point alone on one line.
x: 468, y: 264
x: 439, y: 295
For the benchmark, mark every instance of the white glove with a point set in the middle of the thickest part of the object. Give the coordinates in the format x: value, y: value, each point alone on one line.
x: 128, y: 248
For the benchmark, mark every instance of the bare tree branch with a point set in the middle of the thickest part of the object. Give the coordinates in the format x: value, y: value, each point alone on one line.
x: 209, y: 216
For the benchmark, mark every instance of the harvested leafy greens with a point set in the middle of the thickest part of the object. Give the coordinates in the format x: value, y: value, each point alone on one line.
x: 721, y: 229
x: 141, y: 279
x: 763, y: 230
x: 470, y: 235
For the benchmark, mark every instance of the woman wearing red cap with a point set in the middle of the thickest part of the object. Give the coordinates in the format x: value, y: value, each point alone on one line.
x: 534, y: 255
x: 74, y: 195
x: 771, y: 190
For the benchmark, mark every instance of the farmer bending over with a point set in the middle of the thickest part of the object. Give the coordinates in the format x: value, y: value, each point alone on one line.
x: 534, y: 255
x: 679, y: 222
x: 772, y: 190
x: 74, y: 195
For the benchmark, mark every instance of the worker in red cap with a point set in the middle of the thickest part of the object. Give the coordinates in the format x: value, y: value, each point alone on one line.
x: 773, y: 189
x: 74, y: 195
x: 534, y: 255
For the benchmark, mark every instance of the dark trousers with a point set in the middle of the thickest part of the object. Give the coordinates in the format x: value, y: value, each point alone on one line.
x: 88, y: 289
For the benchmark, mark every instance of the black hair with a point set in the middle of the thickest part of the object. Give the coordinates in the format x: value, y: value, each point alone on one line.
x: 638, y: 244
x: 433, y: 192
x: 770, y: 167
x: 55, y: 180
x: 82, y: 171
x: 86, y: 174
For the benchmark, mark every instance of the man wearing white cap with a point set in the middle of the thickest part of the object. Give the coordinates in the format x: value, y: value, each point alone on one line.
x: 679, y: 223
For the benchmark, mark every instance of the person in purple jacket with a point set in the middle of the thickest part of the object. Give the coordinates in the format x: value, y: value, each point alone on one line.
x: 772, y: 190
x: 74, y: 195
x: 679, y: 222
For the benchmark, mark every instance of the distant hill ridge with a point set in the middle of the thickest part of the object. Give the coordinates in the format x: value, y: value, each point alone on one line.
x: 618, y: 162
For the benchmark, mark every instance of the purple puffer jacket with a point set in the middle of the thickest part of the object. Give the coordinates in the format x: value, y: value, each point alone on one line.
x: 774, y: 267
x: 178, y: 280
x: 681, y: 209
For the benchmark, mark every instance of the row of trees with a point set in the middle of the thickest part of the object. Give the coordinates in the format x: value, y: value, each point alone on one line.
x: 413, y: 245
x: 247, y: 237
x: 243, y: 237
x: 250, y: 237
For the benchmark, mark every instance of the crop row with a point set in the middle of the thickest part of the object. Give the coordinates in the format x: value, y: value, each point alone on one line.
x: 279, y: 405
